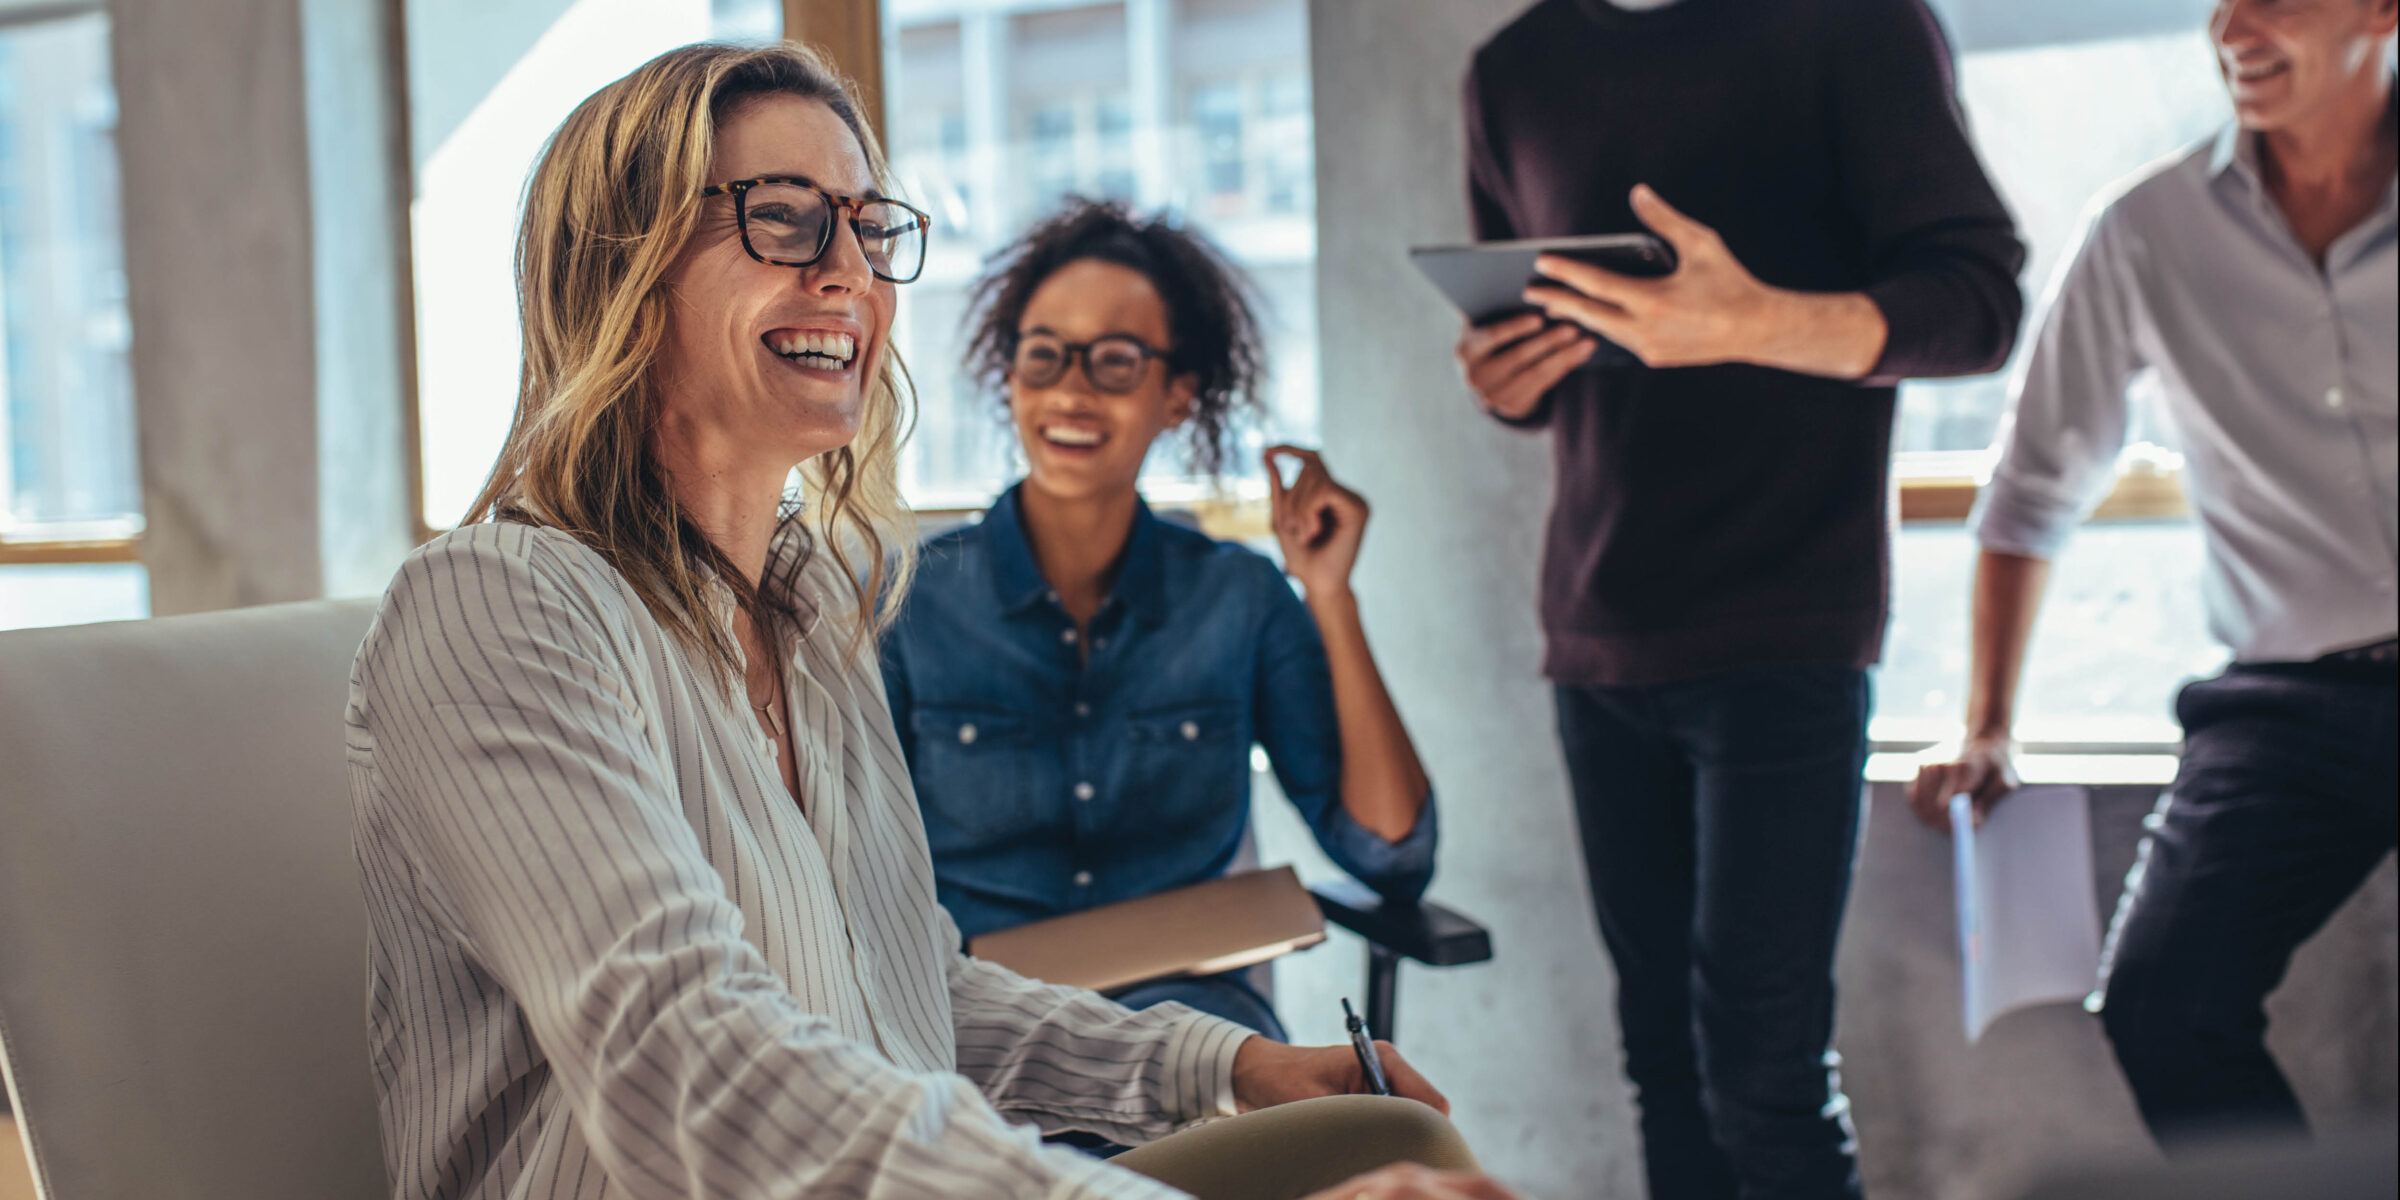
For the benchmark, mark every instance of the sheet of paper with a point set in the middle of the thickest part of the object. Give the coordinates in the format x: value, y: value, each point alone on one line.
x: 2028, y: 925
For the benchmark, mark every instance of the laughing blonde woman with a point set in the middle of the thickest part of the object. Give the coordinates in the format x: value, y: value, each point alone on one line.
x: 650, y: 905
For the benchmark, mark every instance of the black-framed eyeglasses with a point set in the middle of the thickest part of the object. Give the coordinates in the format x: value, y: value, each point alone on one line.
x: 1114, y: 363
x: 789, y: 222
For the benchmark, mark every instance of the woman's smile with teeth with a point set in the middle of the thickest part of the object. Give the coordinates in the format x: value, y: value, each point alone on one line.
x: 814, y: 347
x: 1071, y: 435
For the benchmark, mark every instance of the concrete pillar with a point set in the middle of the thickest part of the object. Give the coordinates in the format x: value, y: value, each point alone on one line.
x: 266, y: 271
x: 1526, y: 1046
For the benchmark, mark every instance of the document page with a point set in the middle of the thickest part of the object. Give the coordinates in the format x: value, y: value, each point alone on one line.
x: 2028, y: 925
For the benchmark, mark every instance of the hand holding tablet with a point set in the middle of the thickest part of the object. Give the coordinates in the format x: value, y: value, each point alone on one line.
x: 1487, y: 282
x: 1511, y: 354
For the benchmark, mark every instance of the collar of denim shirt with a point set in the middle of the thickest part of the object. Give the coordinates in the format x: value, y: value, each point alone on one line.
x: 1141, y: 571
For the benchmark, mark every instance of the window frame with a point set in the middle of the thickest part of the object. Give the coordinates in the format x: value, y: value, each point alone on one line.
x: 1932, y: 489
x: 80, y: 546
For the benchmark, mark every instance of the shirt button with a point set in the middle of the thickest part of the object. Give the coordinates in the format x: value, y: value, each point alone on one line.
x: 966, y: 735
x: 1067, y: 636
x: 1191, y: 731
x: 1083, y: 879
x: 1100, y: 643
x: 1085, y: 791
x: 1082, y: 709
x: 2333, y: 397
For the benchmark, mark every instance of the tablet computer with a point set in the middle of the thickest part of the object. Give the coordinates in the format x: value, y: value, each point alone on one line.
x: 1486, y: 281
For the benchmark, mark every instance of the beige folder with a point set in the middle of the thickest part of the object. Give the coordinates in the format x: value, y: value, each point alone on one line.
x: 1221, y: 925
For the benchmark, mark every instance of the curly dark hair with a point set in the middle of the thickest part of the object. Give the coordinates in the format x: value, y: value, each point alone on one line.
x: 1210, y: 314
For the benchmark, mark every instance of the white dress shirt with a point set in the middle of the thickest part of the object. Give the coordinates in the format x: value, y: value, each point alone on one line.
x: 2279, y: 382
x: 611, y: 955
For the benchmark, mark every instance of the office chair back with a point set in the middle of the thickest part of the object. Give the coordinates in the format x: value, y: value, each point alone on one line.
x: 182, y: 938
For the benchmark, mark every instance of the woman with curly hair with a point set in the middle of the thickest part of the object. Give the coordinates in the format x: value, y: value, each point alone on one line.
x: 1077, y: 682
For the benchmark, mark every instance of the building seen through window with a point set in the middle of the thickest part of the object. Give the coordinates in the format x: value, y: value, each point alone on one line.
x: 68, y: 465
x: 1000, y: 109
x: 488, y: 83
x: 2058, y: 125
x: 67, y: 460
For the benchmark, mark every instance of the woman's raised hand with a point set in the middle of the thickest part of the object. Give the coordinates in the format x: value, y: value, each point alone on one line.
x: 1317, y: 521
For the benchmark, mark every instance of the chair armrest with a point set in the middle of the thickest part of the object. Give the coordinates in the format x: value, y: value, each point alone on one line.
x: 1424, y: 931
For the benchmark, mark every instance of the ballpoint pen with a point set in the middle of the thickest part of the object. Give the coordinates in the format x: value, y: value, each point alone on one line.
x: 1368, y: 1060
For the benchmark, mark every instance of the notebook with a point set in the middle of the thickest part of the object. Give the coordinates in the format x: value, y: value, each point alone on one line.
x: 1205, y: 929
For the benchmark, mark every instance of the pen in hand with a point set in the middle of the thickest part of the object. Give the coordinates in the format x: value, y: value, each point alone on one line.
x: 1368, y: 1060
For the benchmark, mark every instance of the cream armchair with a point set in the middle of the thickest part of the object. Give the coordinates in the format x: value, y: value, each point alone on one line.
x: 182, y: 939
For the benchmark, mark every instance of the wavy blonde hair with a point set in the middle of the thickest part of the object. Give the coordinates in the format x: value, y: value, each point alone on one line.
x: 611, y: 205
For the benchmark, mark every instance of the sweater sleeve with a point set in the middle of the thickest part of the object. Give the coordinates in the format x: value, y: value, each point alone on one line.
x: 1942, y: 251
x: 1488, y: 205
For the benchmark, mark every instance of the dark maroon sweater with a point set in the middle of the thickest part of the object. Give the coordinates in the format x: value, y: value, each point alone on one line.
x: 1713, y: 518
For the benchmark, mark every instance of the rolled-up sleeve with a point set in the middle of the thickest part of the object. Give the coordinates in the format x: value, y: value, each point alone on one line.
x: 1942, y: 251
x: 1066, y: 1058
x: 2066, y: 420
x: 536, y: 810
x: 1301, y: 731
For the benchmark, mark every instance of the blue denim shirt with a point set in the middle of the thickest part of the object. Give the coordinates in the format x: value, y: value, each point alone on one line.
x: 1050, y: 786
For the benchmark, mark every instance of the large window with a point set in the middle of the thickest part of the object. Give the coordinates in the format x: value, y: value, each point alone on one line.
x: 2058, y: 123
x: 70, y: 487
x: 487, y: 85
x: 66, y: 403
x: 999, y: 109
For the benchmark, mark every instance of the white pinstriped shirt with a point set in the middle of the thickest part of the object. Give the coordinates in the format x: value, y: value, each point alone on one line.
x: 610, y: 956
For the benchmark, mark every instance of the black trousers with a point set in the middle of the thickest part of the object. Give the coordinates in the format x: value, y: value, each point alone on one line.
x: 2284, y: 802
x: 1719, y: 819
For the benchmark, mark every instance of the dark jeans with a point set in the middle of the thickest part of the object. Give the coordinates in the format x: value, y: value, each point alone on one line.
x: 2284, y: 802
x: 1719, y: 819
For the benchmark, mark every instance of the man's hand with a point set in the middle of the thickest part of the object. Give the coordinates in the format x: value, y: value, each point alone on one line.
x: 1510, y: 365
x: 1408, y: 1181
x: 1267, y: 1073
x: 1982, y: 767
x: 1712, y: 309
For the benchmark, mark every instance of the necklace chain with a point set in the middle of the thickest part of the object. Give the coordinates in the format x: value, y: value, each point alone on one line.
x: 774, y: 720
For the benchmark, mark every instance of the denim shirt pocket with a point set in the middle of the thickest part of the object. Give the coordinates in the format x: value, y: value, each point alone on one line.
x: 1188, y: 762
x: 979, y: 775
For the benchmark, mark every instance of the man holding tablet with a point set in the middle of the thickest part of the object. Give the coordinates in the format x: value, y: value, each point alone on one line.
x: 1714, y: 576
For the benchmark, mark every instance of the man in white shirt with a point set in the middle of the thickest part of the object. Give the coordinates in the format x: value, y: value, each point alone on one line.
x: 2256, y: 275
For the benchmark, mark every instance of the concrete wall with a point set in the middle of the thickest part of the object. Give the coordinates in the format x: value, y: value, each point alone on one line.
x: 259, y: 160
x: 1527, y: 1045
x: 1939, y: 1118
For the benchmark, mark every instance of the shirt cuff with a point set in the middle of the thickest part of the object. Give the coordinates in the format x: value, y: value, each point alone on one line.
x: 1198, y: 1083
x: 1398, y: 870
x: 2012, y: 518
